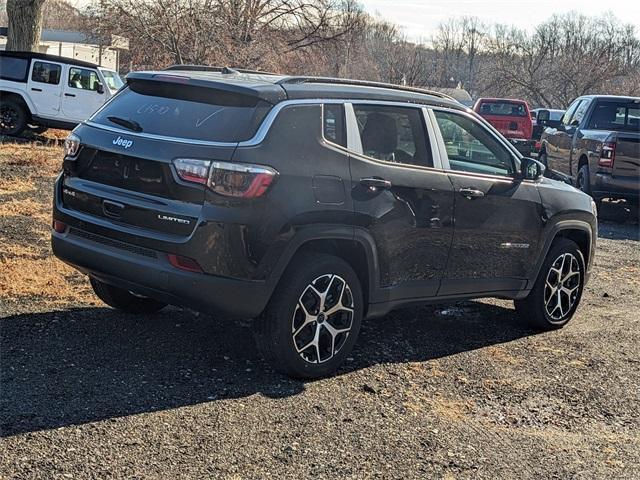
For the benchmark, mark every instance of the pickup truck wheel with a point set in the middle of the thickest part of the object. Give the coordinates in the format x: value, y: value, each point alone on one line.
x: 556, y: 294
x: 124, y: 300
x: 313, y: 319
x: 13, y: 118
x: 583, y: 180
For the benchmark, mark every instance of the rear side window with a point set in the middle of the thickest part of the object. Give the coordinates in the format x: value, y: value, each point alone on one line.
x: 393, y: 134
x: 193, y: 113
x: 45, y: 72
x: 333, y: 124
x: 12, y: 68
x: 507, y: 109
x: 616, y: 115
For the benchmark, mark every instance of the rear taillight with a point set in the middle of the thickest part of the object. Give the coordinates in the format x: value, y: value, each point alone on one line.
x: 240, y: 180
x: 193, y: 170
x: 228, y: 179
x: 607, y: 154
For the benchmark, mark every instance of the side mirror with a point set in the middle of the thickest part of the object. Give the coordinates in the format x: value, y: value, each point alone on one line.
x: 531, y: 169
x: 99, y: 87
x: 543, y: 117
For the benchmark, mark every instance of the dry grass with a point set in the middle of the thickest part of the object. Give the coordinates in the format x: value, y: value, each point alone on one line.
x: 25, y: 277
x: 29, y: 271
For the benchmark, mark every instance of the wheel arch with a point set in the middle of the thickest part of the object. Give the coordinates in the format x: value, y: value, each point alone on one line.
x: 9, y: 94
x: 353, y: 245
x: 576, y: 230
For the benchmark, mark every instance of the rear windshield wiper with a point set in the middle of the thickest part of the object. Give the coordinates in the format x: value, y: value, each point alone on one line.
x: 123, y: 122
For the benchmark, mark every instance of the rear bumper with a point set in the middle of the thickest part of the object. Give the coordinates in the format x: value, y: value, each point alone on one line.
x: 607, y: 185
x: 142, y: 273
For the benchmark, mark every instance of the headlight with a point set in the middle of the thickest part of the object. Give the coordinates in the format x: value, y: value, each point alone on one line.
x: 71, y: 145
x: 594, y: 208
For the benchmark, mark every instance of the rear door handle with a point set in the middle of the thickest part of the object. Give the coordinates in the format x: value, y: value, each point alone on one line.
x: 471, y: 193
x: 374, y: 183
x: 69, y: 94
x: 36, y: 89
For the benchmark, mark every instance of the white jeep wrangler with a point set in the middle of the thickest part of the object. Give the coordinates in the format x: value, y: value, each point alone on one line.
x: 39, y: 91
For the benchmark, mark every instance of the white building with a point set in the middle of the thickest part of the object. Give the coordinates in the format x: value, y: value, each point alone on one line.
x: 78, y: 45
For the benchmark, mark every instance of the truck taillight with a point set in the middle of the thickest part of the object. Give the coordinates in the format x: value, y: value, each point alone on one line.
x: 225, y: 178
x: 607, y: 154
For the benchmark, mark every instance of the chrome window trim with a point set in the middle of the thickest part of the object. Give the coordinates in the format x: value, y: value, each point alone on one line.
x: 268, y: 121
x: 438, y: 142
x: 354, y: 143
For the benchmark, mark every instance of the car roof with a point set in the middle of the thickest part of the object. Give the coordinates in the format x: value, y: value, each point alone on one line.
x: 50, y: 58
x: 610, y: 97
x: 277, y: 87
x: 510, y: 100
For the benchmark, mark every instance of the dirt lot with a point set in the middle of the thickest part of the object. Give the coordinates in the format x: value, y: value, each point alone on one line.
x: 453, y: 391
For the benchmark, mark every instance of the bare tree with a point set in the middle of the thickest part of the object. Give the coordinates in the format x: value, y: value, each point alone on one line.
x: 25, y: 24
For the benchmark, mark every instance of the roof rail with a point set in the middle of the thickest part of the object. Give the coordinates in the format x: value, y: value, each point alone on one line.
x: 210, y: 68
x: 363, y: 83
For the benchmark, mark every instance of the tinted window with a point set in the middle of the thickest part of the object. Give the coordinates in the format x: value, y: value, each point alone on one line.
x: 333, y: 124
x: 580, y: 111
x: 471, y: 148
x: 45, y: 72
x: 186, y: 112
x: 616, y: 115
x: 83, y: 79
x: 566, y: 118
x: 393, y: 134
x: 509, y: 109
x: 12, y: 68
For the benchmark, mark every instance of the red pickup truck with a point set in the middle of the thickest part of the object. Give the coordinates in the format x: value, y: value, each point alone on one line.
x: 512, y: 118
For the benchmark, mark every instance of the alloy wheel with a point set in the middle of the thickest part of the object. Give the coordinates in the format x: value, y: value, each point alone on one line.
x: 8, y: 118
x: 323, y: 318
x: 562, y: 287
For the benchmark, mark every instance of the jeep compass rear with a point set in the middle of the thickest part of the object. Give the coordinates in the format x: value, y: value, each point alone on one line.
x: 310, y: 204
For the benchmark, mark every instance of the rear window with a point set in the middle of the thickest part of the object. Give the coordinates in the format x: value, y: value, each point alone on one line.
x: 12, y: 68
x: 510, y: 109
x: 616, y: 115
x: 191, y: 113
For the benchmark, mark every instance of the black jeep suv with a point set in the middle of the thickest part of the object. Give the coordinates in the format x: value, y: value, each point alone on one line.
x: 311, y: 204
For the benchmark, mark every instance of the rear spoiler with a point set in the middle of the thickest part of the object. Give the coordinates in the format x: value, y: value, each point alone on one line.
x: 209, y: 84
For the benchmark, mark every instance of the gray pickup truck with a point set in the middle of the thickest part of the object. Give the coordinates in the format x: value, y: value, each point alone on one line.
x: 597, y: 146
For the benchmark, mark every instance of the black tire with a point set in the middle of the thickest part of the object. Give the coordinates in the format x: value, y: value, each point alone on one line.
x: 13, y: 117
x: 583, y: 180
x: 535, y: 307
x: 124, y: 300
x: 283, y: 331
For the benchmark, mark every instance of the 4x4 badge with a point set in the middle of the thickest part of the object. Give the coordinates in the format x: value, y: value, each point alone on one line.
x: 123, y: 142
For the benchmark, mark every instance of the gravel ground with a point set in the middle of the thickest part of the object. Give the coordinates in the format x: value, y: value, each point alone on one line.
x: 448, y: 391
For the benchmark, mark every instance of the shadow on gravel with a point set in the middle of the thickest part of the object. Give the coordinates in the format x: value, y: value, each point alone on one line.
x: 84, y: 365
x: 618, y: 221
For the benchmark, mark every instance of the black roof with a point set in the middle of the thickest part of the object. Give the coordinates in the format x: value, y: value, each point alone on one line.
x: 274, y: 88
x: 51, y: 58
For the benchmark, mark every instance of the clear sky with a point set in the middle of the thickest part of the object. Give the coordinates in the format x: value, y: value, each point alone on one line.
x: 419, y: 18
